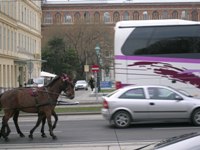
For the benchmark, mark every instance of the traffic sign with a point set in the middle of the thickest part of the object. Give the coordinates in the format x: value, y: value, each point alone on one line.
x: 95, y: 68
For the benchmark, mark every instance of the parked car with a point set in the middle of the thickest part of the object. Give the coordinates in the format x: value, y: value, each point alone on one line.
x: 38, y: 82
x: 188, y: 141
x: 81, y: 84
x: 150, y: 103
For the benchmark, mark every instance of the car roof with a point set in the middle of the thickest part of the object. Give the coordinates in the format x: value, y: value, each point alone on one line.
x: 143, y: 86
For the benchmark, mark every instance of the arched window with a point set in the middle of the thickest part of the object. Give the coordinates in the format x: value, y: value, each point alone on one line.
x: 155, y: 15
x: 165, y: 14
x: 96, y: 17
x: 48, y: 18
x: 106, y: 17
x: 58, y: 18
x: 67, y: 18
x: 145, y: 15
x: 184, y: 15
x: 77, y: 17
x: 126, y: 16
x: 194, y: 15
x: 116, y: 17
x: 87, y: 17
x: 135, y: 15
x: 174, y: 14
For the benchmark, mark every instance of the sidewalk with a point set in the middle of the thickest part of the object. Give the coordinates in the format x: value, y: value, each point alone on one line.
x: 101, y: 146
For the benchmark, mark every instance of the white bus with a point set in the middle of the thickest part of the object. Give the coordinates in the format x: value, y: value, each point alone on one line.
x: 163, y: 52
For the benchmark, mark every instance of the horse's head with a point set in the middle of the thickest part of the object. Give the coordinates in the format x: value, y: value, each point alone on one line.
x: 68, y: 86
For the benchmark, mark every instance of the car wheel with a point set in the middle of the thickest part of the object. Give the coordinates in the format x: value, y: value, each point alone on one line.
x: 122, y: 119
x: 196, y: 117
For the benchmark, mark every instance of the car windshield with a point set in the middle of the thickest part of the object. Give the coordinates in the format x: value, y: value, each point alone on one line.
x: 176, y: 139
x: 110, y: 94
x: 38, y: 80
x: 169, y: 141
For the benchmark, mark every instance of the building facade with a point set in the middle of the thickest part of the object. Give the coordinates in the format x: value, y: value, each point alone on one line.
x: 20, y: 42
x: 68, y: 12
x: 108, y: 12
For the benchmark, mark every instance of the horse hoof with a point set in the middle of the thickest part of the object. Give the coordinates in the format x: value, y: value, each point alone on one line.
x: 6, y: 139
x: 22, y: 135
x: 44, y: 135
x: 54, y: 137
x: 30, y: 136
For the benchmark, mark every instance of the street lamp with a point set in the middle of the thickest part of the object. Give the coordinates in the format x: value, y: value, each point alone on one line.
x: 97, y: 49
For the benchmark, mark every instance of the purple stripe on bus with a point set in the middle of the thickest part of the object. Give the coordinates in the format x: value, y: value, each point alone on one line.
x: 163, y: 59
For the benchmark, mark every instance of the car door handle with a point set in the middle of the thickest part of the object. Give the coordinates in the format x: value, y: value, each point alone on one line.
x: 151, y: 103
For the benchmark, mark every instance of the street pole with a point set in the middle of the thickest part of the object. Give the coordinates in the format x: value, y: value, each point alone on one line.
x: 95, y: 74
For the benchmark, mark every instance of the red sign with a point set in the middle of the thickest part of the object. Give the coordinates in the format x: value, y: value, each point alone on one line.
x: 95, y: 68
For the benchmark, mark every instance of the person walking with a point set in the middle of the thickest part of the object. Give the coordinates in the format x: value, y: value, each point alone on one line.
x: 91, y: 83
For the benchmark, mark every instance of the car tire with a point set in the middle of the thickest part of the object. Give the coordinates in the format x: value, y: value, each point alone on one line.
x: 121, y: 119
x: 196, y: 117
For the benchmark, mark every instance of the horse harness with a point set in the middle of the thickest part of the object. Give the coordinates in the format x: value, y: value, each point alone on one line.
x: 34, y: 93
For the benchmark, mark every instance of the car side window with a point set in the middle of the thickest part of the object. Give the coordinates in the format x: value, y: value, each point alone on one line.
x: 133, y: 94
x: 161, y: 93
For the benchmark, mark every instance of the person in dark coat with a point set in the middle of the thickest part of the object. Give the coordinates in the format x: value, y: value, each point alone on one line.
x: 91, y: 83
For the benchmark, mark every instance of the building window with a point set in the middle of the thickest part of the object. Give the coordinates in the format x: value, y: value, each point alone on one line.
x: 116, y: 17
x: 67, y: 18
x: 126, y: 16
x: 184, y: 15
x: 165, y: 14
x: 87, y: 17
x: 58, y: 18
x: 194, y: 15
x: 145, y: 15
x: 175, y: 15
x: 106, y: 17
x: 77, y: 17
x: 4, y: 38
x: 135, y: 15
x: 155, y: 15
x: 48, y: 18
x: 96, y: 17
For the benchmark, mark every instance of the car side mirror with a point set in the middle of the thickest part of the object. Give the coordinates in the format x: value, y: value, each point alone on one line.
x: 177, y: 97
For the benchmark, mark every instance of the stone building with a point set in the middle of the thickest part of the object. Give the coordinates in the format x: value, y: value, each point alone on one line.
x: 20, y: 41
x: 67, y: 13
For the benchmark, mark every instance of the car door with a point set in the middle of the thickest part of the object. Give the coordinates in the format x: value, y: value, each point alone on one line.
x: 135, y: 101
x: 164, y: 103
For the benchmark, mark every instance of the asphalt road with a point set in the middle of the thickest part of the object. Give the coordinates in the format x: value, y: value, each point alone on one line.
x: 92, y: 129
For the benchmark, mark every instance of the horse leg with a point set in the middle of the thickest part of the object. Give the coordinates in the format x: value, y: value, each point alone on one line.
x: 40, y: 116
x: 5, y: 126
x: 15, y: 119
x: 48, y: 116
x: 42, y: 128
x: 44, y: 121
x: 56, y: 119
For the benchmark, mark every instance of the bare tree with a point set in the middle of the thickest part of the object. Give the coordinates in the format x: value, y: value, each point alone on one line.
x: 83, y: 37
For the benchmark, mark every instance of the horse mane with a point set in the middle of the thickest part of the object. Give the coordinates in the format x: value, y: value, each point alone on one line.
x: 52, y: 81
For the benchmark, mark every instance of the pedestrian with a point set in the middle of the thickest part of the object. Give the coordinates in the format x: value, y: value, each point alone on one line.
x: 91, y: 83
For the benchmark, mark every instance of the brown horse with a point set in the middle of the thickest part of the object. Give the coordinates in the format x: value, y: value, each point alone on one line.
x: 42, y: 101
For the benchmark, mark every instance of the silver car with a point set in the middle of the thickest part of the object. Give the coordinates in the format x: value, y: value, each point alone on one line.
x: 81, y: 84
x: 150, y: 103
x: 188, y: 141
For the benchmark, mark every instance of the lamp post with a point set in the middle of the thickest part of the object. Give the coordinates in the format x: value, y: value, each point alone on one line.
x: 97, y: 49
